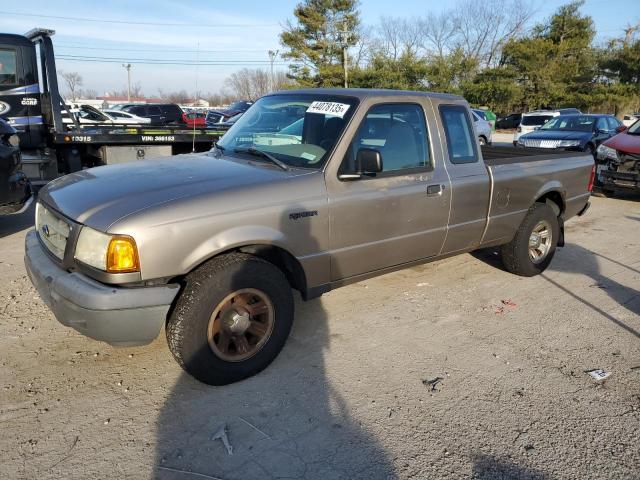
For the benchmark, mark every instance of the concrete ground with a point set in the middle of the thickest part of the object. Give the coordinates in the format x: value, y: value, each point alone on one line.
x: 455, y: 369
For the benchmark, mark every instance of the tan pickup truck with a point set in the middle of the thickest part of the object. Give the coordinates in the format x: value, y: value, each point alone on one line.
x: 310, y: 190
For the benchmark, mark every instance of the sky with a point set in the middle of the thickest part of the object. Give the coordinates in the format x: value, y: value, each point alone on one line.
x: 228, y: 35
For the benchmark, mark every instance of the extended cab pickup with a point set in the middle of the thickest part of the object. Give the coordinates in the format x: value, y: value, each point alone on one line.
x: 310, y: 190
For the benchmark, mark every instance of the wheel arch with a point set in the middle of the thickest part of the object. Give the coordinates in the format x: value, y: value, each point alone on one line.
x: 273, y: 253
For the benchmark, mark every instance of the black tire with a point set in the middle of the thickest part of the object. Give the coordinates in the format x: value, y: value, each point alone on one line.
x: 206, y: 287
x: 482, y: 140
x: 515, y: 254
x: 590, y: 149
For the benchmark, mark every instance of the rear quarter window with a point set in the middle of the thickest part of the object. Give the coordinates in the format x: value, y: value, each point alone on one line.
x: 459, y: 133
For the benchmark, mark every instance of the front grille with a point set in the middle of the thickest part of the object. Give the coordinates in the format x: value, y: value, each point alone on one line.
x: 540, y: 143
x: 52, y: 230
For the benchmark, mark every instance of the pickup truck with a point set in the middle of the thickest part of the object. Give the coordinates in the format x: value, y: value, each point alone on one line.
x: 360, y: 183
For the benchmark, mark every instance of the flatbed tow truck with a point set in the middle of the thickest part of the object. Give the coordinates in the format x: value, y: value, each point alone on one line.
x: 31, y: 103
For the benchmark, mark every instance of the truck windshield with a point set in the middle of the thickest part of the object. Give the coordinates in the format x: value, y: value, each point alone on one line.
x: 574, y: 123
x: 535, y: 120
x: 299, y: 130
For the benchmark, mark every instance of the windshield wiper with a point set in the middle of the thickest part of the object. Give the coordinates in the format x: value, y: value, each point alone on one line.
x: 260, y: 153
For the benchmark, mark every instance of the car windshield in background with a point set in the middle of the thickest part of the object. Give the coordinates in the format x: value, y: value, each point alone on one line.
x: 634, y: 129
x: 298, y: 130
x: 574, y: 123
x: 535, y: 120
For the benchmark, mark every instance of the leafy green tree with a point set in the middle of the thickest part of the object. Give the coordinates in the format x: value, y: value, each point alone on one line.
x: 324, y: 30
x: 407, y: 72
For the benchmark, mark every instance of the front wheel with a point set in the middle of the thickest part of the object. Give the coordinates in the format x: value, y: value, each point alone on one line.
x: 482, y: 140
x: 231, y: 320
x: 534, y: 245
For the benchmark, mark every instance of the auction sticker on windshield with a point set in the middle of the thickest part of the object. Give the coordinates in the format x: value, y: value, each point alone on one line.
x: 333, y: 109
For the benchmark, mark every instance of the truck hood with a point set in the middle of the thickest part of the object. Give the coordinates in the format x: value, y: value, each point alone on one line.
x: 558, y: 135
x: 625, y: 142
x: 100, y: 196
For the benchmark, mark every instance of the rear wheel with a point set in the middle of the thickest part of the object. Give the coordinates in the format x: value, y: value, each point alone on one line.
x: 482, y: 140
x: 231, y: 320
x: 534, y: 245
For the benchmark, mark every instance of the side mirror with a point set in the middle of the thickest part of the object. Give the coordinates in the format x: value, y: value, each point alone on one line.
x: 368, y: 160
x: 621, y: 128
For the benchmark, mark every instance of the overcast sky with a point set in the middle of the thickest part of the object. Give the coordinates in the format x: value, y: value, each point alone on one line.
x: 234, y: 33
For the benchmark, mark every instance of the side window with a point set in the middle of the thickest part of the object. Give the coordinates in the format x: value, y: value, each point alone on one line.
x: 459, y: 133
x: 399, y: 132
x: 155, y: 111
x: 8, y: 67
x: 601, y: 124
x: 613, y: 123
x: 138, y: 110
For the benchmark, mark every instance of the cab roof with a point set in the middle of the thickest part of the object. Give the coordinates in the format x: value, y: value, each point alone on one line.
x: 14, y: 39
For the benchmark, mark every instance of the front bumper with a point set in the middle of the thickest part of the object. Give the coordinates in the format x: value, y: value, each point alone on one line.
x: 120, y: 316
x: 619, y: 180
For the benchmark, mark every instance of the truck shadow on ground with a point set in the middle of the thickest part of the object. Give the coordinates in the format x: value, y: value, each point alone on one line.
x: 573, y: 258
x: 10, y: 224
x: 289, y: 421
x: 487, y: 467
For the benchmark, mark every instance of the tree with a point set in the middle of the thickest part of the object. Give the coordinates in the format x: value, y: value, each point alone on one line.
x: 73, y: 81
x: 483, y: 27
x: 319, y: 41
x: 251, y: 84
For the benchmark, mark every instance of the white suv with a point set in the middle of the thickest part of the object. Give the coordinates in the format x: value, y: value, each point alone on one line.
x: 533, y: 120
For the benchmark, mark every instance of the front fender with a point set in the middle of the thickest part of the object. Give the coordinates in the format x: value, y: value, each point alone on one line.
x: 230, y: 239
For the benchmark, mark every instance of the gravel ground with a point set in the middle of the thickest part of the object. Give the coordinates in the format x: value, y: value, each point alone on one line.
x: 354, y: 393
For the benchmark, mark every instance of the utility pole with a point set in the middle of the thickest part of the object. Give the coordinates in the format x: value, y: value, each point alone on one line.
x: 343, y: 37
x: 127, y: 66
x: 273, y: 54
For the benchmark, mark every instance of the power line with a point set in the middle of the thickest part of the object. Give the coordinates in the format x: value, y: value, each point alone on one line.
x: 164, y: 62
x: 157, y: 60
x: 60, y: 45
x: 131, y: 22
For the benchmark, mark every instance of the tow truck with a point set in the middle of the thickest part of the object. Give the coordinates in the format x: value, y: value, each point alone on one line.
x: 31, y: 103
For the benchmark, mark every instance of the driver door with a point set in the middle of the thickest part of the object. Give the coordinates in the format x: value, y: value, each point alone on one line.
x: 398, y: 215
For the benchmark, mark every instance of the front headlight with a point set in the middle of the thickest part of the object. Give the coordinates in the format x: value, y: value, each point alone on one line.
x: 109, y: 253
x: 569, y: 143
x: 606, y: 153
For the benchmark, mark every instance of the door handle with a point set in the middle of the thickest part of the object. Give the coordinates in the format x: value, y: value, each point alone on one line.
x: 435, y: 190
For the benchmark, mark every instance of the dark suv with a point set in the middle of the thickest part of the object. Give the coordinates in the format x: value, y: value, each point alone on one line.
x: 160, y: 114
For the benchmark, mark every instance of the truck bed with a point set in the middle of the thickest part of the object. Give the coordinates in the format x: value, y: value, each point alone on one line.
x: 494, y: 156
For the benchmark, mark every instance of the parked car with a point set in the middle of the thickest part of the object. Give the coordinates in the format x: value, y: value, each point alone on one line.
x: 194, y: 119
x: 121, y: 117
x: 487, y: 115
x: 213, y: 249
x: 15, y: 189
x: 218, y: 116
x: 508, y: 122
x: 533, y: 120
x: 618, y: 167
x: 85, y: 115
x: 584, y: 132
x: 159, y: 114
x: 629, y: 120
x: 482, y: 127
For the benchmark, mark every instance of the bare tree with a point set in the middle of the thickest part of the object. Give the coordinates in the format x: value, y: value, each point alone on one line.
x: 73, y: 81
x: 484, y: 26
x: 240, y: 83
x: 251, y: 84
x: 438, y: 33
x: 136, y: 90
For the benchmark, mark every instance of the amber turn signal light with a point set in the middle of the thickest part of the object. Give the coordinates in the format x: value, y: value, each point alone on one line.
x: 122, y: 255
